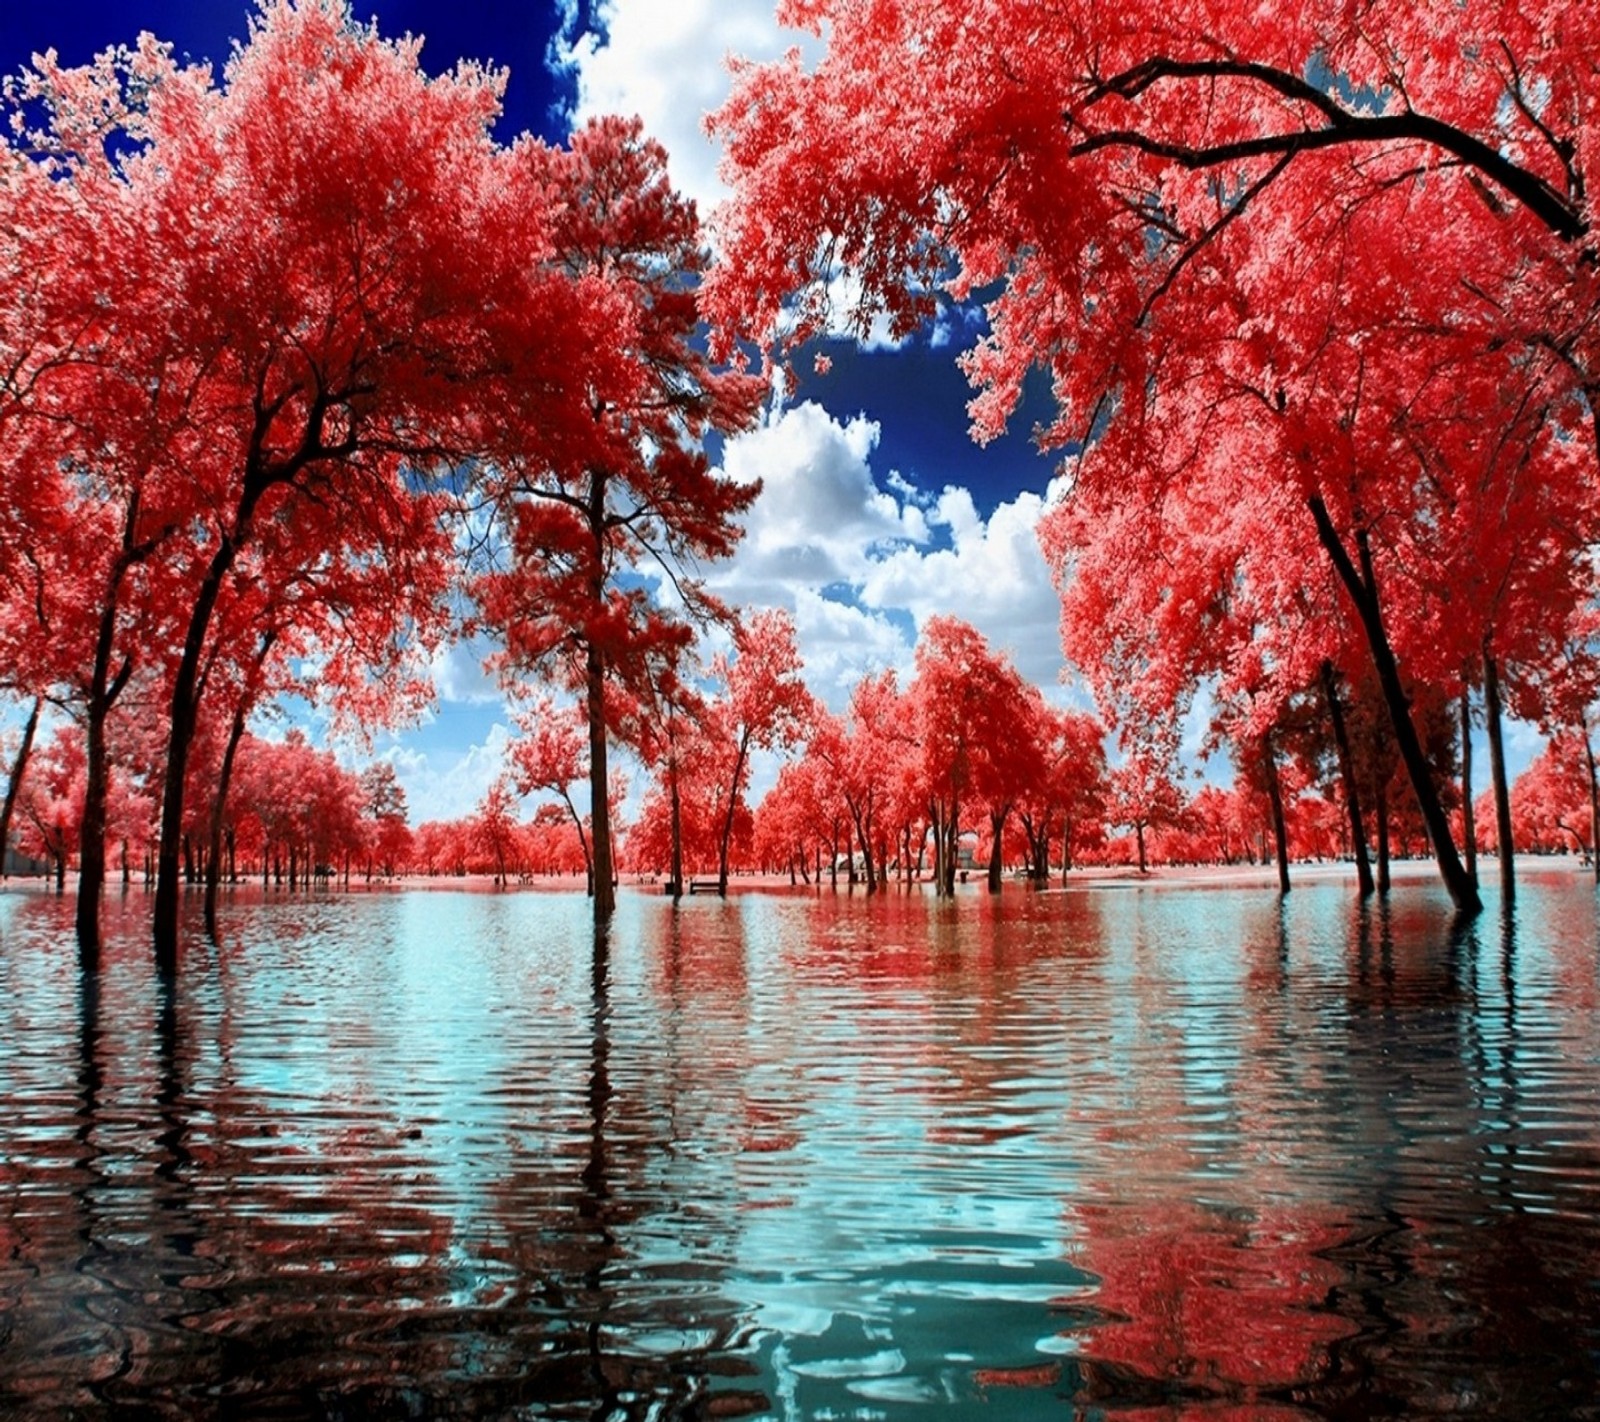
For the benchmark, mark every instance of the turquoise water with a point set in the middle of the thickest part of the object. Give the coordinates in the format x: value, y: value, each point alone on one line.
x: 1123, y: 1152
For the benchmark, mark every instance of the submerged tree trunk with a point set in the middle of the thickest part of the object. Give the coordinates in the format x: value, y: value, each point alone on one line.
x: 1497, y: 773
x: 1361, y: 584
x: 1280, y: 835
x: 1380, y: 807
x: 1594, y: 801
x: 1347, y: 777
x: 583, y: 842
x: 676, y: 871
x: 860, y: 824
x: 18, y: 767
x: 946, y: 839
x: 726, y: 838
x: 184, y: 717
x: 944, y: 869
x: 605, y: 892
x: 997, y: 824
x: 219, y: 815
x: 1469, y: 828
x: 1036, y: 839
x: 103, y: 690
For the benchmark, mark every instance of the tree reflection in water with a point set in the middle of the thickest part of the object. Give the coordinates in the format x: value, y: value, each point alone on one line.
x: 1135, y: 1152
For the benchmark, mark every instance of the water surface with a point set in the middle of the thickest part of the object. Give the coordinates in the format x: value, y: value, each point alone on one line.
x: 1125, y: 1152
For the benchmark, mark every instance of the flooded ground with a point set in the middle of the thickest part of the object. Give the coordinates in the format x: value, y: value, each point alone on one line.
x: 1121, y: 1152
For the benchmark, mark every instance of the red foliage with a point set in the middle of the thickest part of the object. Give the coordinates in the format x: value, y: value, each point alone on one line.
x: 634, y: 490
x: 1305, y: 334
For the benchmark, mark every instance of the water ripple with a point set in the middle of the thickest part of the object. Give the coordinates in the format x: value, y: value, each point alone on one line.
x: 1131, y: 1152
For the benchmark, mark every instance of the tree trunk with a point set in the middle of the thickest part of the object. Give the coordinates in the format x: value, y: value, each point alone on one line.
x: 726, y: 838
x: 1347, y: 776
x: 1380, y: 806
x: 952, y: 846
x: 1361, y: 585
x: 8, y: 808
x: 864, y: 844
x: 219, y: 814
x: 1469, y: 828
x: 1138, y: 834
x: 184, y: 716
x: 92, y: 841
x: 583, y: 843
x: 1039, y: 852
x: 102, y: 693
x: 1497, y: 772
x: 1036, y: 841
x: 996, y: 867
x: 946, y: 838
x: 605, y: 891
x: 1280, y: 834
x: 1594, y: 801
x: 676, y: 871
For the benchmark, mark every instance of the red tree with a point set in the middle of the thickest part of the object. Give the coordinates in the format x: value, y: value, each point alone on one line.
x: 550, y: 755
x: 1063, y: 799
x: 969, y: 703
x: 637, y: 491
x: 1159, y: 194
x: 307, y: 325
x: 765, y: 706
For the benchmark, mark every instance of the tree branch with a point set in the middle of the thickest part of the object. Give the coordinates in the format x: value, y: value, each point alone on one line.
x: 1548, y: 205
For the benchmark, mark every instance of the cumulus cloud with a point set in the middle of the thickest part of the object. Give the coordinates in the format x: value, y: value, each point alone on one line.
x: 458, y: 674
x: 842, y: 643
x: 447, y: 785
x: 991, y: 574
x: 667, y: 62
x: 863, y: 562
x: 820, y: 516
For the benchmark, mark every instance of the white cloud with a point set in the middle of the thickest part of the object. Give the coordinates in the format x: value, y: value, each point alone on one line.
x: 842, y: 644
x: 992, y: 575
x: 667, y: 62
x: 458, y: 674
x: 442, y: 785
x: 856, y: 560
x: 820, y: 515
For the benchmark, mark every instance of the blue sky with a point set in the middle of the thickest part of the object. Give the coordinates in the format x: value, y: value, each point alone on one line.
x: 510, y: 35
